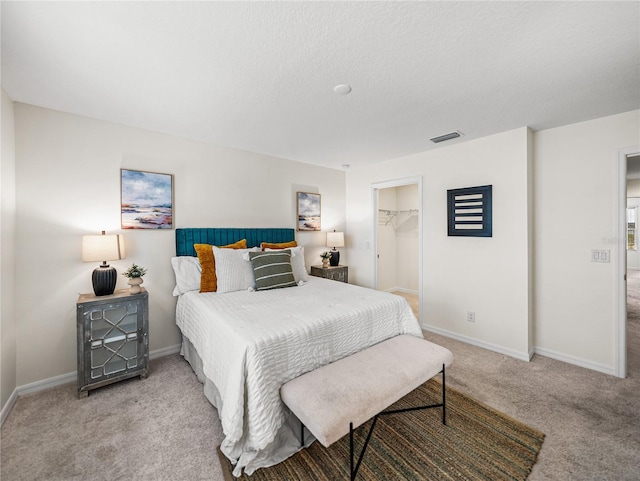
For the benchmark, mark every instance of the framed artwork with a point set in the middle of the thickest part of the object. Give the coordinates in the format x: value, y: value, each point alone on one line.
x: 469, y: 211
x: 146, y: 200
x: 308, y: 211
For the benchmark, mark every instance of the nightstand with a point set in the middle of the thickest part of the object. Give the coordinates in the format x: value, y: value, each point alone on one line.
x: 113, y: 338
x: 337, y: 273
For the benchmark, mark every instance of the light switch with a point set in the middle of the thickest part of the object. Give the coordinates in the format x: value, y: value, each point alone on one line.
x: 600, y: 255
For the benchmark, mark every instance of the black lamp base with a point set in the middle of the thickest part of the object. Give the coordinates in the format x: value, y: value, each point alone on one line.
x: 334, y: 260
x: 104, y: 280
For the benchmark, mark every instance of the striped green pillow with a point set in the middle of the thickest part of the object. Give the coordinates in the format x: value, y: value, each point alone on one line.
x: 272, y: 269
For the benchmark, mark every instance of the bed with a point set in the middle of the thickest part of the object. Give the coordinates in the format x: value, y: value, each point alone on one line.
x: 244, y: 344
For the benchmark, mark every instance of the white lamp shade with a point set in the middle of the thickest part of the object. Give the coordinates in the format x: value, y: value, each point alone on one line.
x: 102, y: 247
x: 335, y: 239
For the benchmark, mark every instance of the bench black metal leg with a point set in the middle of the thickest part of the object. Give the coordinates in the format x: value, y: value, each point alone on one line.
x: 444, y: 398
x: 354, y: 470
x: 301, y: 435
x: 351, y: 451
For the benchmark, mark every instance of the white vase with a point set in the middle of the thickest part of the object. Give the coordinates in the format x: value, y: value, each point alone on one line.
x: 135, y: 282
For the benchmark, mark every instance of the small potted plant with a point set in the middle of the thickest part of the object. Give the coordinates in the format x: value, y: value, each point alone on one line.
x: 326, y: 255
x: 134, y: 274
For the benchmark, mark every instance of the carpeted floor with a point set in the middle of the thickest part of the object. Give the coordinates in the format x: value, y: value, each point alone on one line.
x: 162, y: 428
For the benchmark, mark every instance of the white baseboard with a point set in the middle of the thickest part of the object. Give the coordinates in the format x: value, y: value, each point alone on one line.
x: 594, y: 366
x: 47, y: 383
x: 523, y: 356
x: 164, y: 351
x: 65, y: 379
x: 576, y: 361
x: 401, y: 289
x: 35, y: 387
x: 8, y: 406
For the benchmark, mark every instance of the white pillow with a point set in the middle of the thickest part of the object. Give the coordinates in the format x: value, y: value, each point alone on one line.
x: 297, y: 263
x: 233, y: 269
x: 187, y: 270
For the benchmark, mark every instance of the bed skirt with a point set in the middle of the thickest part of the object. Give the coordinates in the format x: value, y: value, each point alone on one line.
x: 286, y: 442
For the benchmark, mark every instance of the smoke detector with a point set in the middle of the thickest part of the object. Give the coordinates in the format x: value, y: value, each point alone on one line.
x: 342, y: 89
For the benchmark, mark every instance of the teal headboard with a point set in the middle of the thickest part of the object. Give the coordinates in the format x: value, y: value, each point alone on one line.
x: 185, y: 238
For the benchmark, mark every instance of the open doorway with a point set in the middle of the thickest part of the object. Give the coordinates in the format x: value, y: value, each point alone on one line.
x: 398, y: 239
x: 633, y: 263
x: 627, y: 283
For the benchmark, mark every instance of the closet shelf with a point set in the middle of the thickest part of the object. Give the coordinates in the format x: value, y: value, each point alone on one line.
x: 391, y: 214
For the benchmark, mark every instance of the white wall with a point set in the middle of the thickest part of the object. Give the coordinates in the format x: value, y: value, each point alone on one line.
x: 575, y: 191
x: 7, y: 263
x: 633, y: 188
x: 532, y: 284
x: 68, y: 184
x: 489, y: 276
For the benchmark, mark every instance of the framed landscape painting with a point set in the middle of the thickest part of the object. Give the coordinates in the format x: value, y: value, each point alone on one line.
x: 146, y: 200
x: 308, y: 211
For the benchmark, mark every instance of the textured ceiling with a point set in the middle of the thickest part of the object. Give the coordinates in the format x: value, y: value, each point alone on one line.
x: 259, y: 76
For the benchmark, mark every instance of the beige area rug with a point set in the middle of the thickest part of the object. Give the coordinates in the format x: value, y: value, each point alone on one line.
x: 477, y: 444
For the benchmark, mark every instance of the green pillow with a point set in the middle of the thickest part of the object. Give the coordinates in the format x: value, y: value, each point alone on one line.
x: 272, y: 269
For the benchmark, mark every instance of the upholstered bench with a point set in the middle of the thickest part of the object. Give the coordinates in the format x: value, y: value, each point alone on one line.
x: 333, y: 400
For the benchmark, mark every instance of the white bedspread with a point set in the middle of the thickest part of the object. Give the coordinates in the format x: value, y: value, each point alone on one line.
x: 251, y: 343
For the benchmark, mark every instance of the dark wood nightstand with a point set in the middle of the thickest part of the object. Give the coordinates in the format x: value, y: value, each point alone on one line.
x: 337, y: 273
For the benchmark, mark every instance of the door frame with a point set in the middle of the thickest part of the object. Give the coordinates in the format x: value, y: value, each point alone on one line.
x: 620, y: 268
x: 387, y: 185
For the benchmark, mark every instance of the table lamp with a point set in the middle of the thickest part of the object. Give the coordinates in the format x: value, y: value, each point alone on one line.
x: 335, y: 239
x: 103, y: 248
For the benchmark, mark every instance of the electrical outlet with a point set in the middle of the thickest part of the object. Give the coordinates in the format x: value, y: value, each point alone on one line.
x: 471, y: 316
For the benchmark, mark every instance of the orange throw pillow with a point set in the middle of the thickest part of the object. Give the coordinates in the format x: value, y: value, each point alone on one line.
x: 208, y: 279
x: 281, y: 245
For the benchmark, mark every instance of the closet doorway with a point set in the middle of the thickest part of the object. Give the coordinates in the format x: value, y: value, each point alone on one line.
x: 398, y: 239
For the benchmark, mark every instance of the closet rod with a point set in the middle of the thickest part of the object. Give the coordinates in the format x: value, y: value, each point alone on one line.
x: 396, y: 212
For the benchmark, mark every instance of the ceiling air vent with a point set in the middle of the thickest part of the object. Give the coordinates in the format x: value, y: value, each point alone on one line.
x: 449, y: 136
